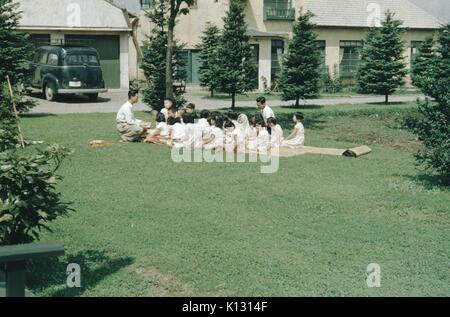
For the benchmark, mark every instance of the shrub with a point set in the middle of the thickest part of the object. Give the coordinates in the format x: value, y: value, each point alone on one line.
x: 28, y: 197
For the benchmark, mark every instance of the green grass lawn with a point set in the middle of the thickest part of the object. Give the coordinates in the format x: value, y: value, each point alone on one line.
x: 145, y: 226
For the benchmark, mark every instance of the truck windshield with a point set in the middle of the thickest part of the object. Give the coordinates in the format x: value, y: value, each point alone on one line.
x: 81, y: 59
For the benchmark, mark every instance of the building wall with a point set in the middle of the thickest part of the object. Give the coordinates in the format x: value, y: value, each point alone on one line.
x: 190, y: 28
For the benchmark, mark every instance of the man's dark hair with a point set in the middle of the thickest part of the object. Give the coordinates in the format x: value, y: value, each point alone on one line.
x: 261, y: 100
x: 132, y: 93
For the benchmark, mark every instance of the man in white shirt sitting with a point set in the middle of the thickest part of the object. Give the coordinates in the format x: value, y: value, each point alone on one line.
x: 130, y: 128
x: 266, y: 111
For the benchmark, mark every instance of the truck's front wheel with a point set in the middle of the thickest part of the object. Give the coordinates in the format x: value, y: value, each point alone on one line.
x: 50, y: 93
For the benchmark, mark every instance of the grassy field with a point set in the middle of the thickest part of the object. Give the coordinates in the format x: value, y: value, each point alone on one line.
x: 145, y: 226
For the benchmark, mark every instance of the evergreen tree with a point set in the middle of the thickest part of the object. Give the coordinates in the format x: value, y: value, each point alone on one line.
x: 300, y: 74
x: 432, y: 125
x: 15, y: 48
x: 421, y: 62
x: 209, y: 64
x: 15, y: 51
x: 382, y: 68
x: 154, y: 60
x: 237, y: 68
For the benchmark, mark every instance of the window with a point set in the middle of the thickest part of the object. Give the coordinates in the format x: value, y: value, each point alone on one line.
x: 322, y: 48
x: 277, y: 58
x: 278, y: 10
x: 349, y: 58
x: 81, y: 59
x: 43, y: 57
x: 147, y: 4
x: 415, y: 45
x: 52, y: 59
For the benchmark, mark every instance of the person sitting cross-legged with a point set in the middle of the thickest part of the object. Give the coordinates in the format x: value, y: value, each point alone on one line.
x: 130, y: 128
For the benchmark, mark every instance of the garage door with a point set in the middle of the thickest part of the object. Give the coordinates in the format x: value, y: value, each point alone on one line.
x: 109, y: 49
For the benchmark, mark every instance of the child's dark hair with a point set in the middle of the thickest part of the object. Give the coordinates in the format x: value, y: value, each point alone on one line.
x: 160, y: 117
x: 228, y: 124
x: 172, y: 120
x: 173, y: 109
x: 188, y: 118
x: 260, y: 121
x: 272, y: 121
x: 232, y: 115
x: 299, y: 115
x: 218, y: 121
x: 252, y: 121
x: 205, y: 114
x: 261, y: 100
x: 190, y: 106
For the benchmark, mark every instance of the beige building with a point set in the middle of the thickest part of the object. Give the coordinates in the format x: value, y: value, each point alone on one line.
x: 341, y: 24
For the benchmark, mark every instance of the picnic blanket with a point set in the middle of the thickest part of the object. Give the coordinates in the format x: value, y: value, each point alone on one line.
x: 354, y: 152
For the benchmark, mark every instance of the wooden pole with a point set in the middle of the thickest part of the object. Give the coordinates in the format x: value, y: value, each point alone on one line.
x: 22, y: 142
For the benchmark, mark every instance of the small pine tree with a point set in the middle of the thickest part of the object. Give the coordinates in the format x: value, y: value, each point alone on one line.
x: 154, y: 60
x: 383, y: 67
x: 15, y: 51
x: 209, y: 70
x: 237, y: 68
x: 15, y: 47
x: 300, y: 74
x: 432, y: 124
x: 421, y: 61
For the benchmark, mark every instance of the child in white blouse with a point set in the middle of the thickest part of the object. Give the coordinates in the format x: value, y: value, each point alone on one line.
x: 277, y: 133
x: 216, y: 138
x: 230, y: 136
x: 262, y: 142
x: 177, y: 133
x: 161, y: 133
x: 297, y: 137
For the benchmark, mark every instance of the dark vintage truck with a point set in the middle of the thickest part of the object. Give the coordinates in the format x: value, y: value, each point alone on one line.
x: 64, y: 69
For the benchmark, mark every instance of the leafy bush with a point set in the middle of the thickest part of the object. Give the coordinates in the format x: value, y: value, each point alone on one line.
x: 28, y: 197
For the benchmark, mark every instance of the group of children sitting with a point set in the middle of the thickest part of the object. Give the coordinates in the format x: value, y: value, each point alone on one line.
x: 233, y: 132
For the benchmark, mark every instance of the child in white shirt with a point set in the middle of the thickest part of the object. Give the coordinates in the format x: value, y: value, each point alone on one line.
x: 203, y: 122
x: 161, y: 133
x: 262, y: 142
x: 177, y: 133
x: 193, y: 138
x: 297, y: 137
x: 277, y: 133
x: 230, y: 136
x: 216, y: 138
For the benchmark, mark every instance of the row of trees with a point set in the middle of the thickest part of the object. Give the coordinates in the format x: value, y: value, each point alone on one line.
x: 382, y: 68
x: 28, y: 196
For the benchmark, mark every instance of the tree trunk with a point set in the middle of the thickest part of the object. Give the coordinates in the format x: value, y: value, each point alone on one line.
x: 386, y: 99
x: 169, y: 58
x: 297, y: 102
x: 233, y: 100
x: 212, y: 92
